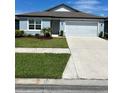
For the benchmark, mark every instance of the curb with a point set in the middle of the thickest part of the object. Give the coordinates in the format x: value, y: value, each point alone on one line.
x: 42, y: 50
x: 61, y: 82
x: 23, y: 88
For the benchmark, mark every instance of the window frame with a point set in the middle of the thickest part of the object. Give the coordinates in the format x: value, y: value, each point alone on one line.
x: 35, y: 25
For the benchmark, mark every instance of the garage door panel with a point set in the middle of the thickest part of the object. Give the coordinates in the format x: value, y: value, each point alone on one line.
x: 84, y: 23
x: 77, y: 28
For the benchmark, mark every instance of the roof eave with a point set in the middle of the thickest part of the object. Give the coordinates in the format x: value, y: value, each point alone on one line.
x: 62, y: 17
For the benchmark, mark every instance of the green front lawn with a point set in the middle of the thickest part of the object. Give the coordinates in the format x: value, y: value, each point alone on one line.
x: 32, y: 42
x: 31, y: 65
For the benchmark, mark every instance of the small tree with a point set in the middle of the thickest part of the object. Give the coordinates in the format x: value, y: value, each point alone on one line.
x: 46, y: 32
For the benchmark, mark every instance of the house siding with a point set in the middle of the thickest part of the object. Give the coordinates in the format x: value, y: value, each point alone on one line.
x: 32, y: 32
x: 45, y: 23
x: 61, y: 25
x: 100, y: 27
x: 23, y: 24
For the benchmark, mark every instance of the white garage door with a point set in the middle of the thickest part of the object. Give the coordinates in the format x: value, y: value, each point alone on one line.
x: 81, y: 28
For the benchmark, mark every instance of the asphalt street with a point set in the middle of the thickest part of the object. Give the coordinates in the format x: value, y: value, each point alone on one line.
x: 60, y: 89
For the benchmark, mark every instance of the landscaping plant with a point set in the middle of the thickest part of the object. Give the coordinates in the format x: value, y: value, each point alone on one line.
x: 37, y: 35
x: 101, y: 34
x: 61, y: 33
x: 19, y: 33
x: 46, y: 32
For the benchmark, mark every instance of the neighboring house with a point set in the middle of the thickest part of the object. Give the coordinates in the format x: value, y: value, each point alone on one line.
x: 62, y: 17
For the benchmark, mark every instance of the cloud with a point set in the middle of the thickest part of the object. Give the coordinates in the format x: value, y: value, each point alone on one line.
x: 19, y: 11
x: 22, y: 11
x: 89, y: 2
x: 90, y: 6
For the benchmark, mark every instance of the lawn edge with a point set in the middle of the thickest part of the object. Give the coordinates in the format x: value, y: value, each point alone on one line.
x: 82, y: 82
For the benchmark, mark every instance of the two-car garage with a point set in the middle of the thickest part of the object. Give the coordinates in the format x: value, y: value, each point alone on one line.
x: 81, y: 28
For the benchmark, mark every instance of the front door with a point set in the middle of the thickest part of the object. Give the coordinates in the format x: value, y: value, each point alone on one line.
x: 55, y: 25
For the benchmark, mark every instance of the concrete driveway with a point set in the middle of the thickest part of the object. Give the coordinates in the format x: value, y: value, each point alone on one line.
x: 89, y: 58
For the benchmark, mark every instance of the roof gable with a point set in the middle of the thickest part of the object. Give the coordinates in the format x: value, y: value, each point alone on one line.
x: 62, y: 8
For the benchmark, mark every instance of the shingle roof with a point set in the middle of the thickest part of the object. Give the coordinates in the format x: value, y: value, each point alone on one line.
x: 53, y: 14
x: 60, y: 15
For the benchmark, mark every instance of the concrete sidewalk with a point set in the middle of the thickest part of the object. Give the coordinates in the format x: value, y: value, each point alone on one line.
x: 42, y: 50
x: 21, y: 81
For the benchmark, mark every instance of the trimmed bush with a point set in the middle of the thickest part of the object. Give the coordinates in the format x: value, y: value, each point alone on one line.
x: 61, y: 33
x: 106, y: 35
x: 37, y: 35
x: 30, y: 35
x: 46, y: 32
x: 19, y: 33
x: 101, y: 34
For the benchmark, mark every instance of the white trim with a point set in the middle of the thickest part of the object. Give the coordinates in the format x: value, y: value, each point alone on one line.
x: 53, y: 35
x: 19, y: 25
x: 27, y: 25
x: 98, y: 29
x: 41, y: 23
x: 64, y: 19
x: 64, y: 27
x: 34, y: 24
x: 62, y: 9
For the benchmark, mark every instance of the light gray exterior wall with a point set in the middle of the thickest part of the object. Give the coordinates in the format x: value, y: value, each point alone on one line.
x: 61, y: 25
x: 45, y: 23
x: 100, y: 27
x: 32, y: 32
x: 23, y: 24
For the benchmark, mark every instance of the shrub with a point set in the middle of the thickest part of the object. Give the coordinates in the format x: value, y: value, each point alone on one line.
x: 37, y: 35
x: 46, y: 32
x: 29, y: 35
x: 101, y: 34
x: 106, y: 35
x: 19, y: 33
x: 61, y: 33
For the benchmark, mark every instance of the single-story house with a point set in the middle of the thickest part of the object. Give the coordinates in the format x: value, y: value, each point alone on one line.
x: 62, y: 17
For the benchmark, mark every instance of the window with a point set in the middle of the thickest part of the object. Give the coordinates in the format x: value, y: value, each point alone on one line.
x: 38, y: 24
x: 35, y: 24
x: 31, y: 26
x: 31, y: 21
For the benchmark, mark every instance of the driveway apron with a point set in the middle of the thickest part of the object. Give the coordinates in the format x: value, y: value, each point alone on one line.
x: 90, y: 57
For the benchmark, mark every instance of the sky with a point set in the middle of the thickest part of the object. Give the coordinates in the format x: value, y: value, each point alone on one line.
x: 97, y: 7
